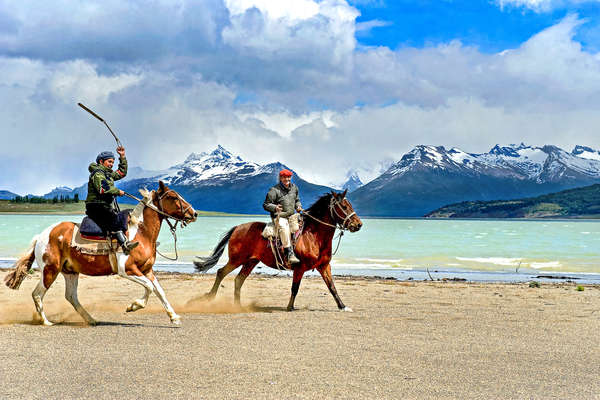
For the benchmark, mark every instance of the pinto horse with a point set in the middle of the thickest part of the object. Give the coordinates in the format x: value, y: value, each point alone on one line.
x: 247, y: 247
x: 53, y: 253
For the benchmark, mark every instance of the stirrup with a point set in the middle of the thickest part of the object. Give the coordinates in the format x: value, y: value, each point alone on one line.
x: 128, y: 246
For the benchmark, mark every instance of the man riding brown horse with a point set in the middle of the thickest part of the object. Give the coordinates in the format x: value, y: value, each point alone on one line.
x: 282, y: 202
x: 100, y: 203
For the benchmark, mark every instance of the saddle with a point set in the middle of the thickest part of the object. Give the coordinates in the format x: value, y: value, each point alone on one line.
x: 88, y: 237
x: 89, y: 229
x: 274, y: 242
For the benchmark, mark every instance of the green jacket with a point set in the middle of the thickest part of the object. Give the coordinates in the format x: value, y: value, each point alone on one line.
x: 287, y: 198
x: 101, y: 185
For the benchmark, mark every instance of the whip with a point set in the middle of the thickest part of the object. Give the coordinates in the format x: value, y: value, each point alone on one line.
x: 103, y: 121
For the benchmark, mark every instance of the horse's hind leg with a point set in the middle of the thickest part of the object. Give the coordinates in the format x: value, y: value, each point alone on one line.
x: 49, y: 274
x: 240, y: 278
x: 71, y: 281
x: 221, y: 274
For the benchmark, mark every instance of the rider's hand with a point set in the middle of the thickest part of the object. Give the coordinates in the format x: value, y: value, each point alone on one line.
x: 299, y: 209
x: 278, y: 208
x: 121, y: 193
x: 121, y: 151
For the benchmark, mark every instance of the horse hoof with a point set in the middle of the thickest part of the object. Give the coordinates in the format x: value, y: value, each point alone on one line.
x: 346, y: 309
x: 176, y: 320
x: 290, y: 308
x: 47, y: 323
x: 92, y: 322
x: 133, y: 307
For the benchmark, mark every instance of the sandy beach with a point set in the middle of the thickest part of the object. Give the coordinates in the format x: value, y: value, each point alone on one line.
x: 411, y: 340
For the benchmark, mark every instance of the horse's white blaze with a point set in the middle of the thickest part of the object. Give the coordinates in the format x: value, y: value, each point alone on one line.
x: 60, y: 238
x: 41, y: 245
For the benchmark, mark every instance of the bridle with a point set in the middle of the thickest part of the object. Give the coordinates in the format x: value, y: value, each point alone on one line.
x: 181, y: 209
x: 333, y: 212
x: 148, y: 202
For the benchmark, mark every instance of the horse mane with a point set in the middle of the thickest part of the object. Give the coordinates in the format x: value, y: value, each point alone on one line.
x: 138, y: 210
x: 320, y: 206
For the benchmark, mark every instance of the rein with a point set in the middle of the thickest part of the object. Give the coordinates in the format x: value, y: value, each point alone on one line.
x: 341, y: 226
x: 172, y: 227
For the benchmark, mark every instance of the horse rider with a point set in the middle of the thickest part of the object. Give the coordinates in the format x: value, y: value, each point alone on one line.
x: 282, y: 201
x: 100, y: 203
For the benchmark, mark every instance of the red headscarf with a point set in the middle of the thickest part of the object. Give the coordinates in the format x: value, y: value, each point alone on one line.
x: 285, y: 172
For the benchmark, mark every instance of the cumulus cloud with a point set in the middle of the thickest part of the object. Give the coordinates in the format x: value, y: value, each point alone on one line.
x: 271, y: 81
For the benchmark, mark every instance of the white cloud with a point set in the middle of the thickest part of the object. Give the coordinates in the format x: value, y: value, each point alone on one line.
x: 541, y: 5
x: 184, y: 86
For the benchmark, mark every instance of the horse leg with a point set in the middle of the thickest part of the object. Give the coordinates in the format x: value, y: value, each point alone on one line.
x: 298, y: 274
x: 141, y: 302
x: 160, y: 293
x: 139, y: 278
x: 49, y: 274
x: 221, y: 274
x: 71, y: 281
x: 326, y: 274
x: 240, y: 278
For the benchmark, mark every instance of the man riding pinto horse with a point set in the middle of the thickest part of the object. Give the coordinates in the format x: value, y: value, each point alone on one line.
x: 282, y: 202
x: 100, y: 201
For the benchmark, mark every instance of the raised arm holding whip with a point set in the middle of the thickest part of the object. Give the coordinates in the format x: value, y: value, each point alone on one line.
x: 100, y: 204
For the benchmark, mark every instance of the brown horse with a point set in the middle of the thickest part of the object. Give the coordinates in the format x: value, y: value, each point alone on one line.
x: 54, y: 254
x: 247, y: 247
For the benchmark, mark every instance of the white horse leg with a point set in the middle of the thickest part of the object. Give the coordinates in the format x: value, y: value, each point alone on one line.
x: 71, y: 281
x: 160, y: 293
x: 149, y: 286
x: 38, y: 296
x: 141, y: 302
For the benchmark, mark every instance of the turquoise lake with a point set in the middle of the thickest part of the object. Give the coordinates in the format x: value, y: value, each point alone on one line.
x: 398, y: 248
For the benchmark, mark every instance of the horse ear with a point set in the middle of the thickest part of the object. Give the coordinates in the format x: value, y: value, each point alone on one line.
x: 161, y: 186
x: 334, y: 194
x: 344, y: 194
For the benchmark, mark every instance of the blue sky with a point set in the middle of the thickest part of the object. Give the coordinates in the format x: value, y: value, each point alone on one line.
x: 289, y: 80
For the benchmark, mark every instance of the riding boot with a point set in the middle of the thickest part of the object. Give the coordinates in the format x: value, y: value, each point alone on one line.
x: 291, y: 256
x: 125, y: 244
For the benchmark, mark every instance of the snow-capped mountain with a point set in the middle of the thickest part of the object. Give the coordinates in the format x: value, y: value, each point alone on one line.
x: 353, y: 181
x: 216, y: 181
x: 586, y: 152
x: 431, y: 176
x: 217, y: 167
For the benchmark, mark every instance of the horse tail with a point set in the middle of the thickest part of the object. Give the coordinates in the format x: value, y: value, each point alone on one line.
x: 22, y: 266
x: 206, y: 263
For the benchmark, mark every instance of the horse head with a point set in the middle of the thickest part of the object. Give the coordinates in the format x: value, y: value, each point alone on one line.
x: 170, y: 202
x: 343, y: 213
